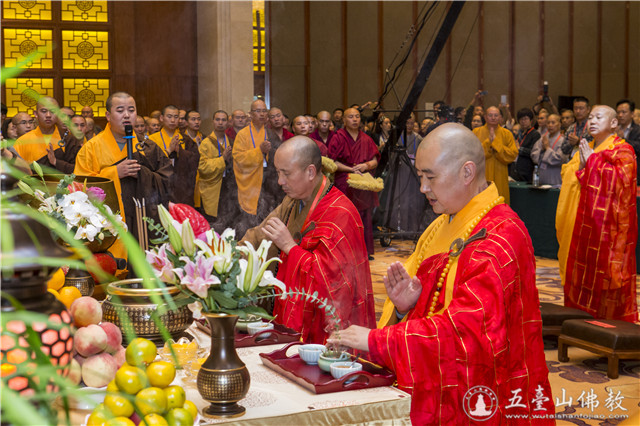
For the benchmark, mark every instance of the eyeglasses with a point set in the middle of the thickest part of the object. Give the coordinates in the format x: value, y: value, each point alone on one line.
x: 23, y: 122
x: 259, y: 111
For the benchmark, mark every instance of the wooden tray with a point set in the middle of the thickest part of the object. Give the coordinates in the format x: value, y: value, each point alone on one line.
x: 317, y: 381
x: 279, y: 334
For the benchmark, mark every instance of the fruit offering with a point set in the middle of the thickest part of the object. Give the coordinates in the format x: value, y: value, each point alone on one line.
x: 98, y: 350
x: 141, y: 393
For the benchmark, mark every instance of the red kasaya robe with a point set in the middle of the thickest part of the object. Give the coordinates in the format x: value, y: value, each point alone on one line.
x: 601, y: 266
x: 331, y: 258
x: 323, y: 148
x: 490, y: 334
x: 316, y: 136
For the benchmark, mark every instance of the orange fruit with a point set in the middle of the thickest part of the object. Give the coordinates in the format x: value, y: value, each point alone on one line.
x: 120, y: 421
x: 57, y: 280
x: 7, y: 369
x: 99, y: 416
x: 119, y: 405
x: 141, y: 351
x: 191, y: 408
x: 153, y: 420
x: 68, y: 295
x: 175, y: 397
x: 161, y: 374
x: 151, y: 400
x: 112, y: 387
x: 179, y: 417
x: 131, y: 379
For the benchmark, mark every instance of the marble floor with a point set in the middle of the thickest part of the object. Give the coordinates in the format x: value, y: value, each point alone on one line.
x: 573, y: 382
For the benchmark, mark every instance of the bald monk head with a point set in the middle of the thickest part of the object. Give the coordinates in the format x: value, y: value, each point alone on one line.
x: 140, y: 128
x: 258, y: 113
x: 238, y: 117
x: 351, y: 119
x: 300, y: 125
x: 45, y: 114
x: 89, y: 130
x: 299, y: 165
x: 276, y: 118
x: 23, y: 123
x: 602, y: 122
x: 156, y: 114
x: 87, y: 112
x: 121, y: 111
x: 450, y: 164
x: 493, y: 117
x: 324, y: 122
x: 153, y: 125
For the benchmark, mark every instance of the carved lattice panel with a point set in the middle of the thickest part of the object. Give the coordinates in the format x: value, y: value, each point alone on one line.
x: 32, y: 10
x: 84, y: 11
x: 20, y: 43
x: 22, y: 93
x: 81, y: 92
x: 85, y: 50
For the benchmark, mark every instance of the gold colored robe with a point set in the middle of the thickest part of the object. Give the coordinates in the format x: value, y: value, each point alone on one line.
x: 211, y: 170
x: 498, y: 154
x: 248, y: 163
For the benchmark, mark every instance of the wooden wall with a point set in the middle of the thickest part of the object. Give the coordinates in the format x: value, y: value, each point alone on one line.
x: 155, y: 53
x: 329, y: 54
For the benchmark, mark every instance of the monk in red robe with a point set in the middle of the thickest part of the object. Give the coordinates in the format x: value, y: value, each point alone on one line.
x: 319, y: 235
x: 462, y: 328
x: 597, y: 223
x: 355, y: 152
x: 323, y: 133
x: 302, y: 127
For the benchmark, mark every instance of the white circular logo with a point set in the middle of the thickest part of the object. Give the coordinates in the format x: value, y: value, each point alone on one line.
x: 480, y: 403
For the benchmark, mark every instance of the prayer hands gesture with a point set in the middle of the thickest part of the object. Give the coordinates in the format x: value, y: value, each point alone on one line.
x: 228, y: 154
x: 354, y: 336
x: 585, y: 153
x: 175, y: 143
x: 278, y: 232
x: 545, y: 141
x: 403, y: 290
x: 265, y: 147
x: 128, y: 168
x: 573, y: 139
x: 51, y: 155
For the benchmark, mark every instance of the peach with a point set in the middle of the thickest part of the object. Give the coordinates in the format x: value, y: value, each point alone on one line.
x: 114, y: 336
x: 120, y: 357
x: 86, y: 311
x: 99, y: 370
x: 79, y: 359
x: 90, y: 340
x: 75, y: 372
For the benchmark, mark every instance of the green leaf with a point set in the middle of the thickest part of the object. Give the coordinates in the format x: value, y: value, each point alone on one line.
x: 224, y: 300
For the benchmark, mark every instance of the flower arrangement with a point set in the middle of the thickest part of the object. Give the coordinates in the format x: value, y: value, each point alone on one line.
x: 74, y: 205
x: 215, y: 273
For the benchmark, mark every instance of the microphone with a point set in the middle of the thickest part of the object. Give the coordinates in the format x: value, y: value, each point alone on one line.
x: 128, y: 135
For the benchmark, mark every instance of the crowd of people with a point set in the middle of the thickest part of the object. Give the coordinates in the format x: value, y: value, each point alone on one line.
x: 466, y: 299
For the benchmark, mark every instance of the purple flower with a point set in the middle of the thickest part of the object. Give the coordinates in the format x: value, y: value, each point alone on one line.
x: 197, y: 276
x: 96, y: 193
x: 161, y: 264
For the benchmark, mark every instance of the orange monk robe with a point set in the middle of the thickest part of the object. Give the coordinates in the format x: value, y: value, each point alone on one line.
x: 100, y: 157
x: 248, y: 163
x: 32, y: 146
x: 596, y: 223
x: 185, y: 166
x: 211, y: 169
x: 486, y: 331
x: 498, y: 154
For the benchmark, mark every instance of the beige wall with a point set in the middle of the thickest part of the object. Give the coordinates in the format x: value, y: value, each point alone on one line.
x: 315, y: 31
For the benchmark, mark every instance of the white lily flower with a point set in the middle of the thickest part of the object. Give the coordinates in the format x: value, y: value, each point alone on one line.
x: 254, y: 269
x: 188, y: 238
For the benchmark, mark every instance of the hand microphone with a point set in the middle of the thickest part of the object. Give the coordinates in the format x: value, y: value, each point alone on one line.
x: 128, y: 135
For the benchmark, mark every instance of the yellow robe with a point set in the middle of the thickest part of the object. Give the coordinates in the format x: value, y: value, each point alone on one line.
x: 247, y: 166
x: 32, y: 146
x: 163, y: 140
x: 97, y: 158
x: 210, y: 169
x: 439, y: 236
x: 498, y: 154
x: 568, y: 204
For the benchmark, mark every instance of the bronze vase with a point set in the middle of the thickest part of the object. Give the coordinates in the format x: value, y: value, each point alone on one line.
x: 223, y: 379
x: 82, y: 280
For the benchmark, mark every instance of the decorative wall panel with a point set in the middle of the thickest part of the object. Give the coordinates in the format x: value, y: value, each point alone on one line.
x: 31, y: 10
x: 84, y: 11
x: 85, y: 50
x: 81, y: 92
x: 22, y: 93
x: 20, y: 43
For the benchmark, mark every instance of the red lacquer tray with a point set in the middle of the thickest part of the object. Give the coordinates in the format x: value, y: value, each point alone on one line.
x: 279, y: 334
x: 317, y: 381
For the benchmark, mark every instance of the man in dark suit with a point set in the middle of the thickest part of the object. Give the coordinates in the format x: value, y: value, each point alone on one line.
x: 627, y: 129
